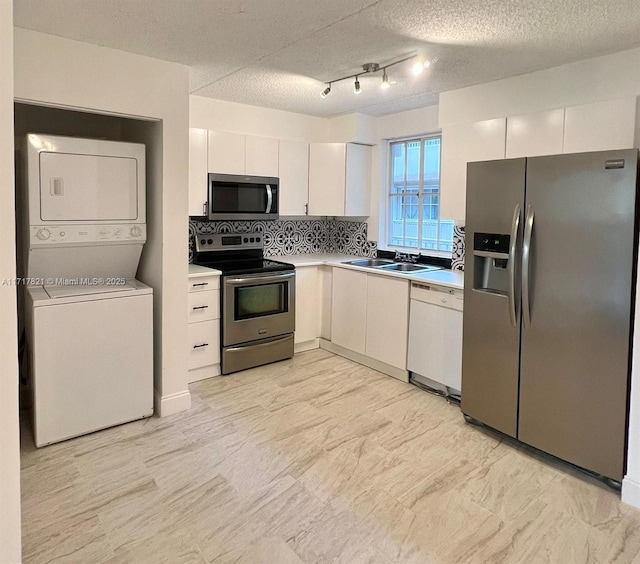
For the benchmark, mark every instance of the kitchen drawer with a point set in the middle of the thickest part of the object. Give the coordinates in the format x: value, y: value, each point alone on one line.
x: 204, y: 343
x: 204, y: 306
x: 437, y: 295
x: 204, y: 283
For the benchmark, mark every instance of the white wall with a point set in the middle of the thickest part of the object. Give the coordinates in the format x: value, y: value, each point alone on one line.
x: 10, y: 541
x: 60, y: 72
x: 218, y: 115
x: 352, y: 128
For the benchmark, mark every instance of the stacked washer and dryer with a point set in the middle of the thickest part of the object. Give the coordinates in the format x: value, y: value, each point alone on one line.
x: 88, y: 321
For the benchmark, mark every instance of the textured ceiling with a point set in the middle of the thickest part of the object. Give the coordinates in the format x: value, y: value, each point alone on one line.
x: 278, y: 53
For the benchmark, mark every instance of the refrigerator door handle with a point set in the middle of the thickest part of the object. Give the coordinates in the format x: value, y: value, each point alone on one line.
x: 526, y: 258
x: 515, y: 224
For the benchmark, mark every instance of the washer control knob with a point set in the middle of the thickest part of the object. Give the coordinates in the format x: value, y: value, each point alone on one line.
x: 43, y: 234
x: 136, y: 231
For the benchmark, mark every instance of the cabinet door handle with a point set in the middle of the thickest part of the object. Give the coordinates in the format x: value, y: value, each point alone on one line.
x: 200, y: 284
x: 204, y: 208
x: 306, y: 209
x: 200, y: 346
x: 200, y: 307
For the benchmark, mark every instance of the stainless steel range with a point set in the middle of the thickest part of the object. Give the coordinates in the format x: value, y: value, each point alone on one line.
x: 257, y: 299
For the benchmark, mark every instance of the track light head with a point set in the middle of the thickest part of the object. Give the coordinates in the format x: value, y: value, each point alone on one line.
x: 356, y: 86
x: 420, y: 65
x: 325, y: 92
x: 385, y: 80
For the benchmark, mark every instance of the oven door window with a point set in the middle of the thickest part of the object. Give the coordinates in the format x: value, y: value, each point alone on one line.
x: 261, y: 300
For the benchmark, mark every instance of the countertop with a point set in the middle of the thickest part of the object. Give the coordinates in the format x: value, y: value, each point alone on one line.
x: 448, y: 278
x: 195, y: 271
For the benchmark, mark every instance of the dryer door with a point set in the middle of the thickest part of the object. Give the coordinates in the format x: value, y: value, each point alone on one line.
x: 79, y: 187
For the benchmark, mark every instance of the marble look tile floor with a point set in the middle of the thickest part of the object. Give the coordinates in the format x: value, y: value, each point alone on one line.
x: 316, y: 459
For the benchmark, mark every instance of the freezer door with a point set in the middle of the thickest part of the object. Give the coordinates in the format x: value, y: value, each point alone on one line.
x: 577, y: 310
x: 491, y: 332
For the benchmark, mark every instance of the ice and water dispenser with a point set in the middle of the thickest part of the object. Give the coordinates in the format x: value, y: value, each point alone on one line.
x: 491, y: 262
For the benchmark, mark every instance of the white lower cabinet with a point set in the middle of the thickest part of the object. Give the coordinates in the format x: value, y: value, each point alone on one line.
x: 308, y: 307
x: 204, y: 344
x: 387, y: 320
x: 370, y: 316
x: 349, y: 309
x: 204, y: 327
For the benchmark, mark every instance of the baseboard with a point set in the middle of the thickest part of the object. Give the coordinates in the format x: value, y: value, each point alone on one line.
x: 397, y: 373
x: 202, y: 373
x: 631, y: 491
x: 168, y: 405
x: 306, y: 346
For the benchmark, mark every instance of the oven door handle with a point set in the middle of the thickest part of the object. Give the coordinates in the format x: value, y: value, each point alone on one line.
x: 261, y: 279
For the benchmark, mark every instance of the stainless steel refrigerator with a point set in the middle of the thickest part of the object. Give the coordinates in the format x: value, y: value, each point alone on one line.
x: 548, y: 302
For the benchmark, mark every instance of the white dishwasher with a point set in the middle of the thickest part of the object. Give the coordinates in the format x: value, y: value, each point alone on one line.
x: 435, y: 338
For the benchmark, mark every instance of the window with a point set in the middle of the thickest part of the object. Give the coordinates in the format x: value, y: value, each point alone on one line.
x: 414, y: 197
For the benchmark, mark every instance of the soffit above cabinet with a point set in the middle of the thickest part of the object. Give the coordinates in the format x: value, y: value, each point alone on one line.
x: 279, y: 53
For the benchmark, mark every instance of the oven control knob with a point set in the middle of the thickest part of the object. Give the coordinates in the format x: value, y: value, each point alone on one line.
x: 136, y: 231
x: 209, y: 241
x: 246, y: 239
x: 203, y: 241
x: 43, y: 234
x: 257, y: 239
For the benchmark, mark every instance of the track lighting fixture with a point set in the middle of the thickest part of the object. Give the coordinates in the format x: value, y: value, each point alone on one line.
x: 369, y: 68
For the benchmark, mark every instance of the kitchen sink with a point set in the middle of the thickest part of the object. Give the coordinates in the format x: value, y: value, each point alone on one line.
x: 408, y: 267
x: 371, y: 263
x: 387, y: 264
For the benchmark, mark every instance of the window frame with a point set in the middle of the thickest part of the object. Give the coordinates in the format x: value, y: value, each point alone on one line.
x: 420, y: 196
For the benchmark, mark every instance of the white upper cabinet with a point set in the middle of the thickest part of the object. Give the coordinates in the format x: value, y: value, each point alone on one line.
x: 226, y: 152
x: 294, y: 177
x: 479, y: 141
x: 357, y: 199
x: 261, y: 157
x: 535, y: 134
x: 600, y: 126
x: 339, y: 179
x: 235, y: 153
x: 197, y: 171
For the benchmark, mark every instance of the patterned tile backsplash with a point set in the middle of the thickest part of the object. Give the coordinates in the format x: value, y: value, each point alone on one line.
x: 295, y: 237
x: 457, y: 262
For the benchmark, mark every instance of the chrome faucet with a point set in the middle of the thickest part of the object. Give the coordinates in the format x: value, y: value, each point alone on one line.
x: 406, y: 257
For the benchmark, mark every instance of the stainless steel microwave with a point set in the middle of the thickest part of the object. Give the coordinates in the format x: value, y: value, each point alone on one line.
x: 232, y: 196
